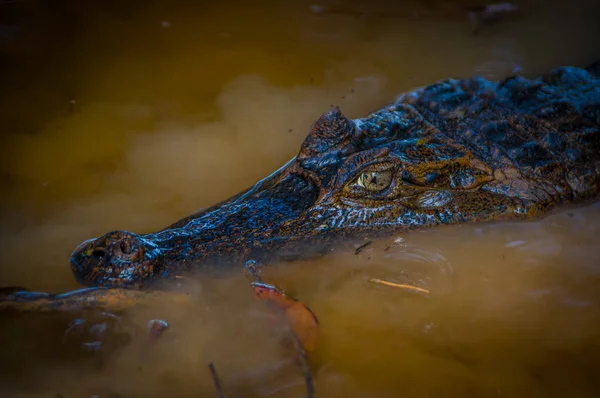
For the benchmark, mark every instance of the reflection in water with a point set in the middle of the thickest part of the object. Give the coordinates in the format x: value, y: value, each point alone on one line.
x: 140, y: 115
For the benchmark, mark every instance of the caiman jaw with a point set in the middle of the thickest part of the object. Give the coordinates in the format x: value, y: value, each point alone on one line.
x: 248, y: 226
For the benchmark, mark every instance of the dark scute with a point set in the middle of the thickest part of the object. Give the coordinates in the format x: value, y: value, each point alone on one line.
x: 462, y: 178
x: 592, y: 112
x: 510, y: 141
x: 281, y: 202
x: 497, y: 131
x: 431, y: 177
x: 554, y: 140
x: 332, y: 131
x: 324, y: 161
x: 568, y: 77
x: 531, y: 153
x: 557, y: 109
x: 594, y: 68
x: 446, y: 92
x: 407, y: 177
x: 522, y: 91
x: 298, y: 192
x: 390, y: 125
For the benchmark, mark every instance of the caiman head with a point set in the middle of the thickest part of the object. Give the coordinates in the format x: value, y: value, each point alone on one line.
x: 351, y: 178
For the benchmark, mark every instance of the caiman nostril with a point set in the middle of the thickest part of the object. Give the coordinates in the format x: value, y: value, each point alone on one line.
x: 98, y: 253
x: 125, y: 247
x: 82, y: 245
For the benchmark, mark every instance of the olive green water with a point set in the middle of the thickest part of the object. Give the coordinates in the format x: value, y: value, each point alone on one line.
x: 131, y: 117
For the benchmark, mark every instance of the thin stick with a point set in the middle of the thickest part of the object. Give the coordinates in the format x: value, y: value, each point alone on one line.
x: 398, y: 285
x: 216, y: 381
x: 361, y: 247
x: 308, y: 379
x: 91, y: 298
x: 252, y: 267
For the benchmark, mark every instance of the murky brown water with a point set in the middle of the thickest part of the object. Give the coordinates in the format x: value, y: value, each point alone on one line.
x: 133, y: 117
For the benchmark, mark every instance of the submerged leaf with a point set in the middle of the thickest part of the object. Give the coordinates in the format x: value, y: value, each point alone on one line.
x: 303, y: 322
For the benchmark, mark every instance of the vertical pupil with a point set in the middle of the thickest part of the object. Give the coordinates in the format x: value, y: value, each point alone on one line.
x: 370, y: 178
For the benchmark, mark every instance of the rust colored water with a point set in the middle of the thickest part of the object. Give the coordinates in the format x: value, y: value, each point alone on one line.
x: 132, y: 117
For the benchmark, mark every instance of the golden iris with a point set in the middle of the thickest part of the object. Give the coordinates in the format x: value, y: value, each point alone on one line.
x: 374, y: 181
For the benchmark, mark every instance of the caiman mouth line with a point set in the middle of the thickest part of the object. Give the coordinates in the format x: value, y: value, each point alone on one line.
x: 452, y: 152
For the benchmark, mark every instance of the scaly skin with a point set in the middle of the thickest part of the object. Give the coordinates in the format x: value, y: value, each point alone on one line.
x: 452, y: 152
x: 457, y: 151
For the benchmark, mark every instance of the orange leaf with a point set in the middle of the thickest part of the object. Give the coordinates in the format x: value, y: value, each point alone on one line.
x: 302, y: 320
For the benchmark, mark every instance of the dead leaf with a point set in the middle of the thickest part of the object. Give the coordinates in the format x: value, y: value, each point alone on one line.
x: 303, y: 322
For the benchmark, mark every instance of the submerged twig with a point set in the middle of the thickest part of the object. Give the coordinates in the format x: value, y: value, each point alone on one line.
x: 91, y: 298
x: 216, y: 381
x: 361, y: 247
x: 399, y: 285
x: 253, y: 267
x: 304, y: 367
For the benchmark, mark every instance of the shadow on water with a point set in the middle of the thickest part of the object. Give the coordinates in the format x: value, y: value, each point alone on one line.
x: 131, y: 115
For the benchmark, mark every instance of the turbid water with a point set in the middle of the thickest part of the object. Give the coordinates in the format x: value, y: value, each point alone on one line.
x: 132, y: 117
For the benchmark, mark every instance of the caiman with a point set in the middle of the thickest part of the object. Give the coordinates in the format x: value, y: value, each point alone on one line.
x: 455, y: 151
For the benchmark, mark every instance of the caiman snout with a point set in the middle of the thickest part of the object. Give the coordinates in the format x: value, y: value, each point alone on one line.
x: 254, y: 224
x: 119, y: 258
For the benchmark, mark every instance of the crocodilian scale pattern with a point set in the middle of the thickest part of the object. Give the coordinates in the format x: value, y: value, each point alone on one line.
x: 452, y: 152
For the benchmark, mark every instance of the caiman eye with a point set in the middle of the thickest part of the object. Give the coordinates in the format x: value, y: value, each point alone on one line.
x: 375, y: 181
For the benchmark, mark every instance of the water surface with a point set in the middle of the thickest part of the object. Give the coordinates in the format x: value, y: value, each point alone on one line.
x: 132, y: 117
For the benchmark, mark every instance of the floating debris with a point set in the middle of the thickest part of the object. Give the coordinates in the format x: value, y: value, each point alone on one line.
x: 481, y: 15
x: 254, y: 268
x: 361, y: 247
x: 302, y: 321
x: 304, y: 366
x: 399, y: 285
x: 515, y: 243
x: 216, y: 381
x: 156, y: 327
